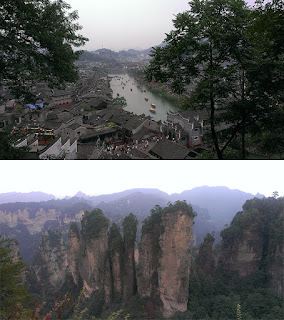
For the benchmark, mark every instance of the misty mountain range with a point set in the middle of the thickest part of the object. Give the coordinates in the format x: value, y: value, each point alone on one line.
x: 26, y: 216
x: 222, y: 203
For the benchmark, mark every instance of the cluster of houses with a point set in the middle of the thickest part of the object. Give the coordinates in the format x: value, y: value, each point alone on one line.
x: 81, y: 122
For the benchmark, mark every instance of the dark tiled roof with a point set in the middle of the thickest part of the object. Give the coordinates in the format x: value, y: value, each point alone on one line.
x: 137, y: 154
x: 169, y: 150
x: 85, y: 150
x: 140, y: 134
x: 74, y: 126
x: 51, y: 125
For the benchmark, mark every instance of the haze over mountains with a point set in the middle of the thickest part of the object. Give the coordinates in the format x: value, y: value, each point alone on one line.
x: 26, y: 216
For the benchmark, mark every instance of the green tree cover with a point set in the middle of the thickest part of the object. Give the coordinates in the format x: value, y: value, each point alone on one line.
x: 232, y: 58
x: 12, y: 290
x: 7, y: 151
x: 93, y: 222
x: 218, y: 296
x: 121, y: 101
x: 129, y: 225
x: 157, y: 212
x: 36, y: 43
x: 115, y: 239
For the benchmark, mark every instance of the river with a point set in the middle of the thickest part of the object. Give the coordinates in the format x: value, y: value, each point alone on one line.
x: 127, y: 87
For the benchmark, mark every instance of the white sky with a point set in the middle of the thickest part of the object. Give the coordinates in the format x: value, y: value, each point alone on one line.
x: 125, y: 24
x: 63, y: 178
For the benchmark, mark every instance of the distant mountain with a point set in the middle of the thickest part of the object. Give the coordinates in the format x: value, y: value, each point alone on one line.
x: 119, y: 195
x: 221, y: 202
x: 25, y: 197
x: 81, y: 194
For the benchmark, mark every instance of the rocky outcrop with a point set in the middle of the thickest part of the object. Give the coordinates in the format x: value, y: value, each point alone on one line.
x: 254, y: 241
x: 49, y: 265
x: 173, y: 272
x: 277, y: 271
x: 205, y: 258
x: 147, y: 272
x: 164, y: 258
x: 129, y: 270
x: 116, y: 261
x: 93, y: 250
x: 74, y: 252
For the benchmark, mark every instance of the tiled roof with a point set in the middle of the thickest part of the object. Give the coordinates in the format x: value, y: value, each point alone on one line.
x: 169, y: 150
x: 74, y: 126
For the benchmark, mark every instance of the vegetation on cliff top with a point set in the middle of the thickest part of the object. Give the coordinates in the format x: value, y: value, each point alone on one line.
x: 157, y: 212
x: 93, y: 223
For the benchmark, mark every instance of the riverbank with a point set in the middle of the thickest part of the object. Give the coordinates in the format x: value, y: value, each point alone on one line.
x: 139, y: 98
x: 162, y: 90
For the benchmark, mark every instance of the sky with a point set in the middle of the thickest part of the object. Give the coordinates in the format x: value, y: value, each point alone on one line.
x: 127, y: 24
x: 66, y: 178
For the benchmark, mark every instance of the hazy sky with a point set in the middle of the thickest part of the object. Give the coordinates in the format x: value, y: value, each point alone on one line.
x: 63, y: 178
x: 125, y: 24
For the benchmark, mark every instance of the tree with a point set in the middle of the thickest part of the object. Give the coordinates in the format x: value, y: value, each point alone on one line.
x: 36, y: 43
x: 12, y: 293
x: 121, y: 101
x: 216, y: 51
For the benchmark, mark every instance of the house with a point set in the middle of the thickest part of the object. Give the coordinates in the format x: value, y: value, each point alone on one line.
x: 166, y: 149
x: 62, y: 97
x: 60, y: 149
x: 188, y: 126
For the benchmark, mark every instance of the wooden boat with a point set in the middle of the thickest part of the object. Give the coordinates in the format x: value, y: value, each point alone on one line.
x: 152, y: 110
x: 153, y: 105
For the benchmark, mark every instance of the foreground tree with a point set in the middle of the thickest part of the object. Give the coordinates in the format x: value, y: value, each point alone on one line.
x: 216, y: 51
x: 36, y: 43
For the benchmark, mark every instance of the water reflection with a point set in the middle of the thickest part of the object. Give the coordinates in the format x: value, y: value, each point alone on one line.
x: 139, y: 99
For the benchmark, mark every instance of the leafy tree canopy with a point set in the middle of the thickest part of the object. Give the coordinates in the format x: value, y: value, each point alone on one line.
x: 36, y: 43
x: 229, y: 59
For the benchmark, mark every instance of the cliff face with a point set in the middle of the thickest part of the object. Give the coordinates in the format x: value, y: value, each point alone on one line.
x: 243, y: 253
x: 173, y: 272
x: 87, y: 252
x: 277, y: 271
x: 129, y: 271
x: 50, y: 263
x: 164, y: 258
x: 74, y: 252
x: 254, y: 241
x: 147, y: 274
x: 35, y: 221
x: 205, y: 258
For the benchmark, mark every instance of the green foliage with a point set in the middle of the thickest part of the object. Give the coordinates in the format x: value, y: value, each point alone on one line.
x: 220, y: 296
x: 36, y: 44
x: 130, y: 224
x: 93, y: 223
x: 13, y: 293
x: 121, y: 101
x: 232, y: 59
x: 115, y: 238
x: 180, y: 206
x: 154, y: 218
x: 8, y: 151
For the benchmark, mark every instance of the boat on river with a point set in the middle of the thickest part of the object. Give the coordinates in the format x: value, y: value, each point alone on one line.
x: 152, y: 110
x: 146, y: 99
x: 153, y: 105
